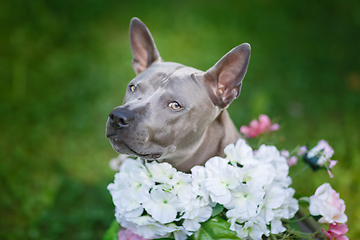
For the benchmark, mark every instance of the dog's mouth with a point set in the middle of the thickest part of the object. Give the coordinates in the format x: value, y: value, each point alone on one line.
x: 114, y: 139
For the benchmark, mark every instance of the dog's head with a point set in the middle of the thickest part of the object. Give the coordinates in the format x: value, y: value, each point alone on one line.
x: 168, y: 106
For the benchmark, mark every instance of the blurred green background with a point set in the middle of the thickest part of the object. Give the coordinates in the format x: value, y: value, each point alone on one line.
x: 65, y: 64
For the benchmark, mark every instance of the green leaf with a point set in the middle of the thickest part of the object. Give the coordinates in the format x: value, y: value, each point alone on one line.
x: 112, y: 232
x: 217, y: 209
x: 215, y: 228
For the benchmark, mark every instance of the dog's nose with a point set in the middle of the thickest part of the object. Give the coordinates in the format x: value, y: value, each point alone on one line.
x: 120, y: 118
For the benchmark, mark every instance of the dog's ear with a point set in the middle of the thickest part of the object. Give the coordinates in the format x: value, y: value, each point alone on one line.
x: 224, y: 79
x: 143, y: 46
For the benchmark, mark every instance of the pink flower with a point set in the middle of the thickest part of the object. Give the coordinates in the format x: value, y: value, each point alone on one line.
x: 331, y: 165
x: 327, y: 203
x: 285, y: 153
x: 291, y: 161
x: 336, y: 231
x: 323, y: 150
x: 302, y: 151
x: 116, y: 162
x: 256, y: 128
x: 127, y: 234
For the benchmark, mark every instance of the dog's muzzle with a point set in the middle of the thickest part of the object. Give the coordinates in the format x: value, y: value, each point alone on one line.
x: 122, y: 135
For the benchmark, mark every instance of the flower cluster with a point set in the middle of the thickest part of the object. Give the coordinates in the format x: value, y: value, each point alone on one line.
x: 249, y: 189
x: 319, y: 156
x: 256, y: 127
x: 262, y: 197
x: 326, y: 204
x: 152, y: 198
x: 155, y: 200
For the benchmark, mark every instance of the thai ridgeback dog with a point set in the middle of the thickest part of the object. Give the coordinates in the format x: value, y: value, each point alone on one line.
x: 175, y: 113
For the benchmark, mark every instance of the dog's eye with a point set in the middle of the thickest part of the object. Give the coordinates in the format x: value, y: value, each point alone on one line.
x: 132, y: 88
x: 175, y: 105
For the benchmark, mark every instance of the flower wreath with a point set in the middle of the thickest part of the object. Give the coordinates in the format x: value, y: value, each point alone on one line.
x: 245, y: 195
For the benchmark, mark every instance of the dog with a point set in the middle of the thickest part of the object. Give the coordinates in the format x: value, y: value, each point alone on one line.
x: 174, y: 113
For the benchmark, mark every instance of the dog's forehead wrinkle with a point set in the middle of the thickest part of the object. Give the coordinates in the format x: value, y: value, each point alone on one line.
x: 159, y: 75
x: 187, y: 73
x: 170, y: 73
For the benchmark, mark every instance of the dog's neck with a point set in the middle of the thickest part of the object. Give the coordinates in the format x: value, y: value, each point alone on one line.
x: 224, y: 130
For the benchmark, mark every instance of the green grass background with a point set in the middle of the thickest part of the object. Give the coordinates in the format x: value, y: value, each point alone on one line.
x: 65, y: 64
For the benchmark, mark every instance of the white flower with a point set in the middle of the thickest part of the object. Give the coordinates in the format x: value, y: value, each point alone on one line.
x: 221, y: 177
x: 271, y: 154
x: 162, y: 205
x: 128, y: 192
x: 260, y: 173
x: 273, y: 200
x: 193, y: 223
x: 132, y: 166
x: 160, y: 172
x: 289, y: 207
x: 181, y: 185
x: 279, y: 204
x: 327, y: 203
x: 147, y: 227
x: 241, y: 152
x: 134, y: 186
x: 192, y: 210
x: 180, y: 233
x: 253, y: 229
x: 244, y: 202
x: 276, y: 226
x: 127, y: 205
x: 267, y: 153
x: 198, y: 174
x: 275, y: 197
